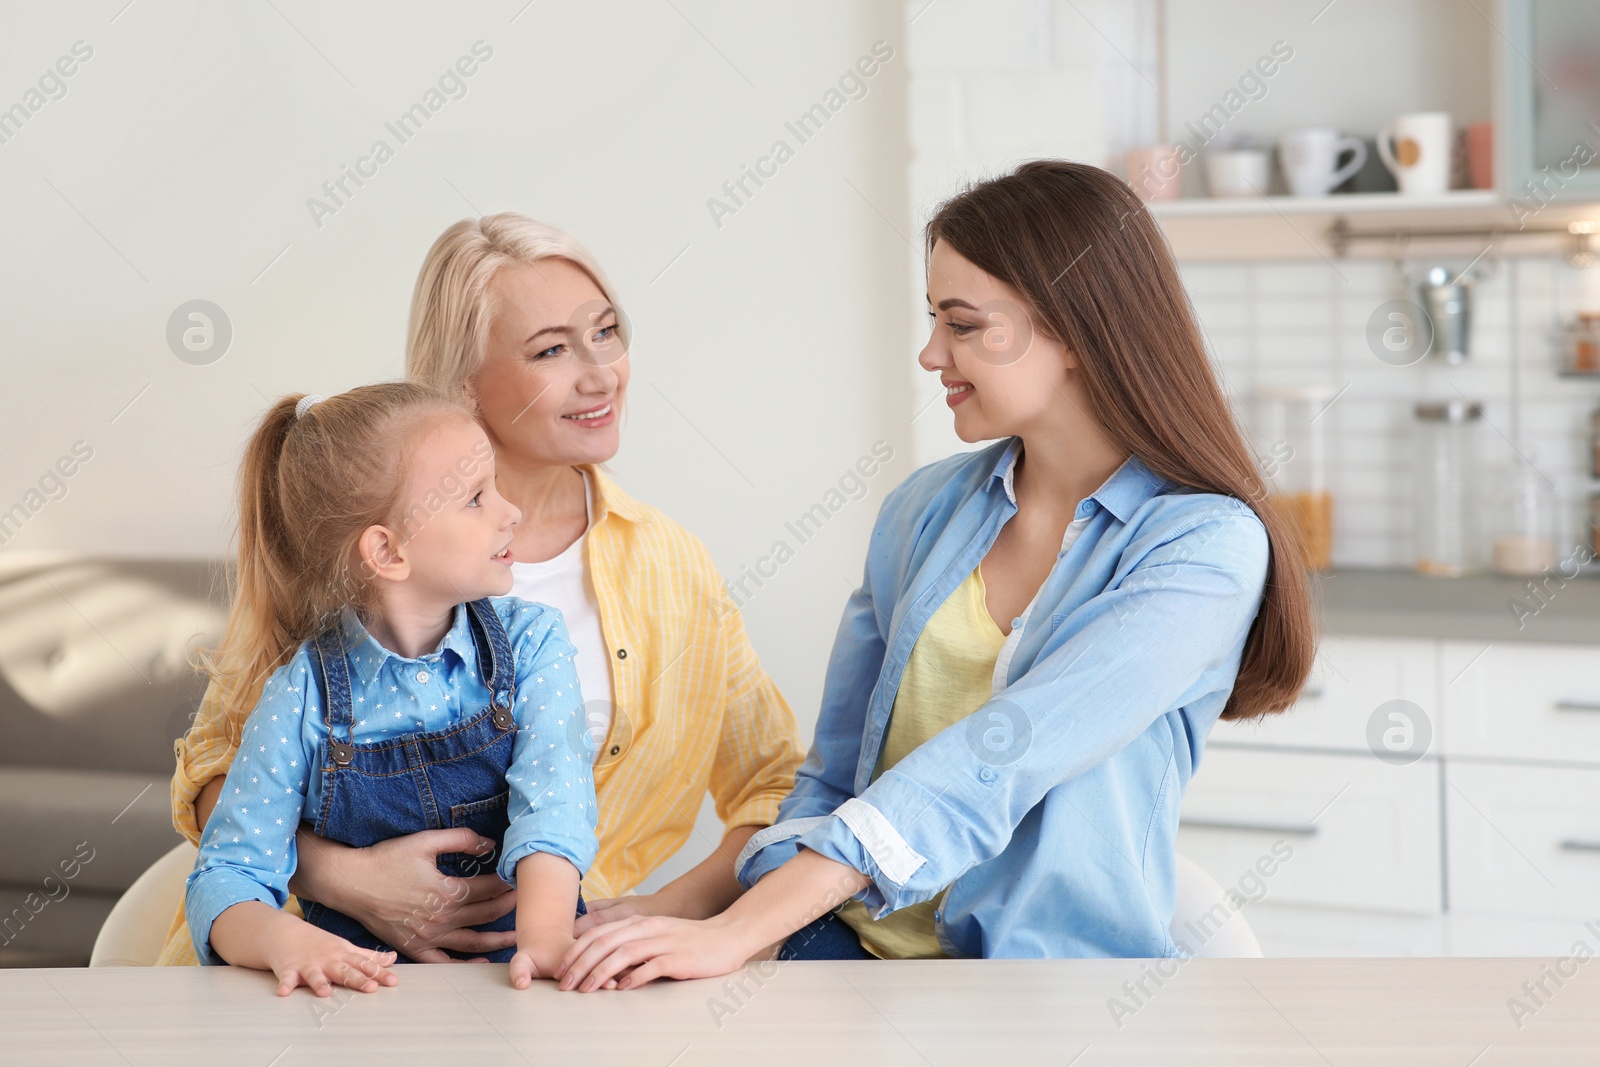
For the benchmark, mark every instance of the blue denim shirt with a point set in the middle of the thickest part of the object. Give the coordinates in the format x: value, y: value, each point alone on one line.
x: 1051, y: 811
x: 248, y: 849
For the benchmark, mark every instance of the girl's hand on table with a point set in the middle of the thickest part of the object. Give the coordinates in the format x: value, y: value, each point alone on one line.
x: 396, y: 890
x: 638, y: 949
x: 538, y: 956
x: 304, y: 955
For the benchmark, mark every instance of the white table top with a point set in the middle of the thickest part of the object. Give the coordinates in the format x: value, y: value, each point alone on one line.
x: 996, y: 1013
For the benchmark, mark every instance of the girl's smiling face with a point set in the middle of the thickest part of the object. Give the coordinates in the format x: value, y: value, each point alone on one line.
x: 555, y: 372
x: 1002, y: 376
x: 451, y: 540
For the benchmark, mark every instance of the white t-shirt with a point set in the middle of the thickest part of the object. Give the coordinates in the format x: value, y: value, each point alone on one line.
x: 564, y: 584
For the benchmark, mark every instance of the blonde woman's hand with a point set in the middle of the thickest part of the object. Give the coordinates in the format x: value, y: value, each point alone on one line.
x: 396, y: 890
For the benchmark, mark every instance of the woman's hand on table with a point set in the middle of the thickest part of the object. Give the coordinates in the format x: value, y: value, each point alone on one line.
x: 641, y: 948
x: 396, y: 890
x: 632, y: 951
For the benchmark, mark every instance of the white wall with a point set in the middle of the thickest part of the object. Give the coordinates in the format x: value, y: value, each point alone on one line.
x: 178, y: 165
x: 995, y: 83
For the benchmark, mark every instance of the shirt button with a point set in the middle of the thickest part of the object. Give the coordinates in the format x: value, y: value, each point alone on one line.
x: 622, y: 653
x: 987, y: 774
x: 1016, y: 622
x: 423, y: 676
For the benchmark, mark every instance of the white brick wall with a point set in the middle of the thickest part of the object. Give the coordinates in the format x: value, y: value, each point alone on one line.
x: 996, y: 82
x: 1273, y: 323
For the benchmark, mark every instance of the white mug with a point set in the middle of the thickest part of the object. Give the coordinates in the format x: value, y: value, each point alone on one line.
x: 1237, y: 172
x: 1310, y: 160
x: 1420, y: 156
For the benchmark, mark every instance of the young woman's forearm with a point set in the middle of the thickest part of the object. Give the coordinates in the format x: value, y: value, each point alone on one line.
x: 711, y: 886
x: 790, y: 897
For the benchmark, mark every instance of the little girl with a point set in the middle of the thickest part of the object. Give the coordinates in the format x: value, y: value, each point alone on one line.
x: 400, y: 696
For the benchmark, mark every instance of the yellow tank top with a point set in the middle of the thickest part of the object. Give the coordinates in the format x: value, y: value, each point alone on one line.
x: 947, y: 677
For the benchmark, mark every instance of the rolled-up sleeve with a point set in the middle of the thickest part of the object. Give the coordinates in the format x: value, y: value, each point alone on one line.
x: 1171, y: 629
x: 551, y: 803
x: 248, y: 850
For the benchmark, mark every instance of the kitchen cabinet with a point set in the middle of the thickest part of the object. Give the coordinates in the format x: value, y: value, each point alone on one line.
x: 1498, y: 63
x: 1551, y: 99
x: 1484, y: 842
x: 1364, y: 834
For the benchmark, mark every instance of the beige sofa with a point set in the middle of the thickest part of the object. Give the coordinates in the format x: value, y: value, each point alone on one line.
x: 94, y: 688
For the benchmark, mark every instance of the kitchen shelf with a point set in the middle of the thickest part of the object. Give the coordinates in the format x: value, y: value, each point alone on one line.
x: 1337, y: 204
x: 1289, y: 227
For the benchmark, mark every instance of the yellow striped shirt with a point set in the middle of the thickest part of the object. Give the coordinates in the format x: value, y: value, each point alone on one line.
x: 692, y: 708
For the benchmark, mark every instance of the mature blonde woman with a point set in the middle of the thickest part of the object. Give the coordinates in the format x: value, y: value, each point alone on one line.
x: 519, y: 317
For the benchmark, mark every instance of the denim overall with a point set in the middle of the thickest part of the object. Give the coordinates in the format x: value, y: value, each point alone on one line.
x: 433, y: 780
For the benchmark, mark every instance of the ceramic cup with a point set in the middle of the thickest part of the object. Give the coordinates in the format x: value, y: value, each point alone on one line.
x: 1236, y: 172
x: 1310, y: 159
x: 1416, y: 149
x: 1154, y: 172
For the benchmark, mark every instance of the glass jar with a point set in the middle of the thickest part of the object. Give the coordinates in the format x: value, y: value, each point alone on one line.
x: 1580, y: 345
x: 1525, y: 522
x: 1292, y: 450
x: 1446, y: 487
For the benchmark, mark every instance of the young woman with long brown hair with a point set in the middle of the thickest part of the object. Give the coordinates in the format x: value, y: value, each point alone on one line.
x: 1047, y: 630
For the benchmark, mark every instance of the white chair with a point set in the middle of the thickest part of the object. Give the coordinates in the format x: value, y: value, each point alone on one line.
x: 136, y: 929
x: 1198, y: 921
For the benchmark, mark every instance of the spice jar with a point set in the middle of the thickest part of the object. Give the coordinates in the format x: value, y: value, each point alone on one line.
x: 1525, y: 540
x: 1293, y: 454
x: 1580, y: 350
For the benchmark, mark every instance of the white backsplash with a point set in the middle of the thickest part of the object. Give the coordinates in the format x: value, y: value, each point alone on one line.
x: 1298, y: 323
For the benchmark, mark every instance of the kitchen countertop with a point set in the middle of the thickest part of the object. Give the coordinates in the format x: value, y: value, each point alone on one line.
x: 917, y: 1013
x: 1401, y: 603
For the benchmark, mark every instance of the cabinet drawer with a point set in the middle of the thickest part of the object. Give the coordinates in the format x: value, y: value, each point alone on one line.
x: 1522, y: 701
x: 1352, y: 677
x: 1286, y: 930
x: 1517, y: 935
x: 1523, y: 840
x: 1364, y: 833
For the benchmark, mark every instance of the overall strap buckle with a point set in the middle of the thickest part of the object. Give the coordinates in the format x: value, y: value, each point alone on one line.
x: 498, y: 666
x: 328, y: 650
